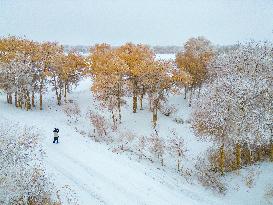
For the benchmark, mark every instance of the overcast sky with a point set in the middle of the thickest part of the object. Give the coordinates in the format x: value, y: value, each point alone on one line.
x: 154, y: 22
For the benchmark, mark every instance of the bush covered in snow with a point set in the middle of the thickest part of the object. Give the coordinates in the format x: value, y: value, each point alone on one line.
x: 178, y: 120
x: 72, y: 111
x: 101, y: 127
x: 23, y: 178
x: 167, y: 110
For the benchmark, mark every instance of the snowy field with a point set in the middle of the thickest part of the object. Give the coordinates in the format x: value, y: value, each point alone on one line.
x: 100, y: 176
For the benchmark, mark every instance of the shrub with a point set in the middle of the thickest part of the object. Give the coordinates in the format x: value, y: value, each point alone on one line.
x: 167, y: 110
x: 125, y: 140
x: 268, y: 195
x: 157, y: 146
x: 208, y: 177
x: 23, y: 178
x: 178, y: 120
x: 176, y: 147
x: 101, y: 127
x: 72, y: 111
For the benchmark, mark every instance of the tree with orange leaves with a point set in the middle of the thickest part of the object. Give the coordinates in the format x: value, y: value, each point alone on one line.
x: 198, y: 53
x: 158, y: 82
x: 109, y: 71
x: 65, y: 72
x: 18, y: 53
x: 138, y: 58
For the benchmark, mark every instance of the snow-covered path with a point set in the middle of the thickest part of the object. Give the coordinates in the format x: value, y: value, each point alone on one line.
x: 97, y: 175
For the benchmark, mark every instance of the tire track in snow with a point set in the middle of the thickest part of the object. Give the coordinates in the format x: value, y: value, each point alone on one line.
x: 82, y: 186
x: 106, y: 182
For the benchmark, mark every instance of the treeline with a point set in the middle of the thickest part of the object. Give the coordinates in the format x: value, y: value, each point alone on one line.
x: 27, y: 68
x: 157, y: 49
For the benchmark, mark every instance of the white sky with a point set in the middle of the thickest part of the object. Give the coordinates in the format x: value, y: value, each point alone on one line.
x: 154, y: 22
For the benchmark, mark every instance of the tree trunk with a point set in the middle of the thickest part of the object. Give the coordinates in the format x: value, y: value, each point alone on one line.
x: 59, y: 99
x: 190, y: 98
x: 41, y: 97
x: 25, y: 101
x: 59, y: 96
x: 248, y: 155
x: 33, y: 99
x: 134, y: 96
x: 20, y: 103
x: 119, y: 109
x: 154, y: 117
x: 222, y: 159
x: 28, y: 105
x: 162, y: 164
x: 141, y: 98
x: 178, y: 164
x: 134, y: 103
x: 185, y: 89
x: 8, y: 98
x: 140, y: 101
x: 113, y: 118
x: 65, y: 91
x: 238, y: 156
x: 259, y: 154
x: 150, y: 104
x: 16, y: 99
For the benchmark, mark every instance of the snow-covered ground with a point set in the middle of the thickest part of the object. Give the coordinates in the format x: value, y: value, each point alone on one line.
x: 165, y: 56
x: 97, y: 174
x: 100, y: 176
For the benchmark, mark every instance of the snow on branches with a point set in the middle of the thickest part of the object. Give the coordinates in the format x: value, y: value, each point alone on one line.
x: 22, y: 176
x: 27, y: 67
x: 236, y: 102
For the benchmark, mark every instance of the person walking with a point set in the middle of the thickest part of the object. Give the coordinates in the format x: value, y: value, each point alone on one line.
x: 56, y: 135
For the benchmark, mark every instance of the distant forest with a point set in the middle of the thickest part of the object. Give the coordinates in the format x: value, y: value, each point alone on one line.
x: 157, y: 49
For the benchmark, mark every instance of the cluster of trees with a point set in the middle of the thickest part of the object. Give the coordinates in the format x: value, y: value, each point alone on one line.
x: 27, y: 68
x: 235, y: 105
x: 132, y: 70
x: 194, y: 60
x: 126, y: 70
